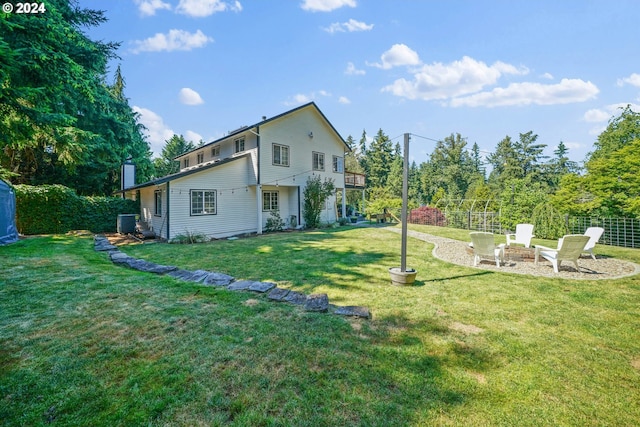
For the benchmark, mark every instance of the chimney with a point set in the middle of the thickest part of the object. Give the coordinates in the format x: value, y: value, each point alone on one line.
x: 127, y: 174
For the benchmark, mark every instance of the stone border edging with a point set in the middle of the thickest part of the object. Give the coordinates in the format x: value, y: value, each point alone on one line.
x: 314, y: 303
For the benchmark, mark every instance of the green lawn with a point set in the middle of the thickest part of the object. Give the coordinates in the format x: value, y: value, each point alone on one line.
x: 85, y: 342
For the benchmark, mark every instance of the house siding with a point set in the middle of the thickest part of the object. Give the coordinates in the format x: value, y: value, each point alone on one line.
x: 293, y: 131
x: 235, y: 201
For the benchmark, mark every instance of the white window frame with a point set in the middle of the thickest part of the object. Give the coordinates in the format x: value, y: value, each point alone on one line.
x: 157, y: 203
x: 239, y: 145
x: 338, y: 164
x: 317, y: 161
x: 200, y: 157
x: 273, y: 203
x: 204, y: 199
x: 215, y: 151
x: 282, y: 160
x: 185, y: 162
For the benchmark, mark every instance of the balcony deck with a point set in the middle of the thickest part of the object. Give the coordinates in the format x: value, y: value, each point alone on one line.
x: 354, y: 180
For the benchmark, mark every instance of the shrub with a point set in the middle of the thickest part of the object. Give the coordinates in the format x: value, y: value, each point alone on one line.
x: 548, y: 222
x: 274, y: 222
x: 315, y: 194
x: 51, y: 209
x: 427, y: 215
x: 189, y: 237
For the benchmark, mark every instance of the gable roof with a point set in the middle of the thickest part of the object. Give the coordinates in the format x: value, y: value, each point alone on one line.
x: 265, y: 121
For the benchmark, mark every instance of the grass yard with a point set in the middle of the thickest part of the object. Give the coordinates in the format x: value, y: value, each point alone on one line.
x: 84, y: 342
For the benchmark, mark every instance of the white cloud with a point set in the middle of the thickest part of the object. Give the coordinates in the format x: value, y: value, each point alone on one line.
x: 203, y: 8
x: 547, y: 76
x: 599, y: 115
x: 344, y: 100
x: 348, y: 27
x: 633, y: 80
x: 399, y: 54
x: 173, y: 40
x: 443, y: 81
x: 326, y: 5
x: 149, y: 7
x: 189, y: 96
x: 193, y: 136
x: 566, y: 92
x: 157, y: 132
x: 353, y: 71
x: 301, y: 98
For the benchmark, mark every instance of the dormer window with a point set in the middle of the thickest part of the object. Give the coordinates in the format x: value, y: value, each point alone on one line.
x: 239, y: 143
x: 215, y: 151
x: 200, y: 157
x: 185, y: 162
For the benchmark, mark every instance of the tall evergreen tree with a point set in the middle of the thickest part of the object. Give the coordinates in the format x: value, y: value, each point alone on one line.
x: 59, y: 121
x: 174, y: 146
x: 378, y: 160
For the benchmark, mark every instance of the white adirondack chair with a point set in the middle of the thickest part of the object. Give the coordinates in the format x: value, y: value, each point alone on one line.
x: 570, y: 247
x: 594, y: 234
x: 522, y: 236
x: 485, y: 247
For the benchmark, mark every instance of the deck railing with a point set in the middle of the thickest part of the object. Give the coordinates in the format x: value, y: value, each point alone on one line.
x: 354, y: 180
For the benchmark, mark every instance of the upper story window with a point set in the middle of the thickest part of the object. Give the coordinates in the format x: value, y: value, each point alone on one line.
x: 280, y: 155
x: 338, y: 164
x: 318, y: 161
x: 185, y: 162
x: 239, y: 145
x: 200, y: 157
x: 215, y: 151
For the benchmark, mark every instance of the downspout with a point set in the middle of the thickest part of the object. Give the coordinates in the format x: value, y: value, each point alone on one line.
x: 168, y: 204
x: 258, y: 185
x: 299, y: 218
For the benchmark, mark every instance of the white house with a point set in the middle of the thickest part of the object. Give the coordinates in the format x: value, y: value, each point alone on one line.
x: 230, y: 186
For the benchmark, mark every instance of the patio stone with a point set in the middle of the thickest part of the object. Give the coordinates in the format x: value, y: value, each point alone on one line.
x: 218, y: 279
x: 278, y: 294
x: 295, y: 297
x: 262, y: 287
x: 353, y: 310
x: 242, y: 285
x: 317, y: 303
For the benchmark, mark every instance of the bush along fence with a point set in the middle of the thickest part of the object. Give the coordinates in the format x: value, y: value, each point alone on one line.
x: 50, y: 209
x: 624, y: 232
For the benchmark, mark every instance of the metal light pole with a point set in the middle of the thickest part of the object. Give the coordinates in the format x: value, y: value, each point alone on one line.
x: 405, y: 197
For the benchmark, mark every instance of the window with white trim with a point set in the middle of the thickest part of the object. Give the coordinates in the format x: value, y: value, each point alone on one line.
x: 280, y: 155
x: 200, y: 157
x: 338, y: 164
x: 318, y: 161
x: 185, y: 162
x: 215, y: 151
x: 203, y: 202
x: 269, y: 201
x: 157, y: 209
x: 239, y: 143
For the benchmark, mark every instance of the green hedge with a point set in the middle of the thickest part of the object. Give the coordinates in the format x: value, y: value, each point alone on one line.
x: 51, y: 209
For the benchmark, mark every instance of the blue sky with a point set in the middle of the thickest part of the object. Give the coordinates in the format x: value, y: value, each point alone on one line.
x: 484, y: 69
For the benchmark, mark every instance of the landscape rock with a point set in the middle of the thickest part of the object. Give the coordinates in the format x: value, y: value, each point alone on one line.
x: 295, y: 297
x: 278, y: 294
x: 317, y: 303
x: 242, y: 285
x: 118, y: 257
x: 150, y: 267
x: 353, y: 310
x: 181, y: 274
x: 262, y: 287
x: 104, y: 245
x: 199, y: 276
x: 218, y: 279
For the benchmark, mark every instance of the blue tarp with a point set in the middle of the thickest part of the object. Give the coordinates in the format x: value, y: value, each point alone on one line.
x: 8, y: 230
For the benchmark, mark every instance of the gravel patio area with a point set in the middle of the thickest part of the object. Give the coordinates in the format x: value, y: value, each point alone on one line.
x: 454, y: 251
